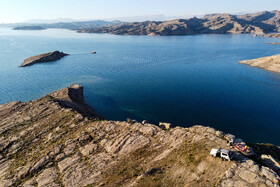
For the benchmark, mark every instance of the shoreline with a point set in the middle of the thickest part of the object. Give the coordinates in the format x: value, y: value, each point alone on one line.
x: 270, y: 63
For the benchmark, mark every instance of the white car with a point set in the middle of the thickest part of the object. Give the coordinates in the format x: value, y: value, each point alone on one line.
x: 223, y: 153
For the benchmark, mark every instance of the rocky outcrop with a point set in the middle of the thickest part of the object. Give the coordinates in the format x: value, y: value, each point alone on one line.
x: 271, y: 63
x: 46, y: 57
x: 271, y: 162
x: 263, y: 22
x: 58, y: 140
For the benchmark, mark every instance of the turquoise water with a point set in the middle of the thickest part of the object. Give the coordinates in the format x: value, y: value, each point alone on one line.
x: 185, y: 80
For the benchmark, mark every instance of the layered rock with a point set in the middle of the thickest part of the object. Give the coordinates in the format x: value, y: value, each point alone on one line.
x: 45, y: 57
x: 58, y: 140
x: 271, y: 63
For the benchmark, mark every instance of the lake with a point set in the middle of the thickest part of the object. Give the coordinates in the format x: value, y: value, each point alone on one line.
x: 184, y: 80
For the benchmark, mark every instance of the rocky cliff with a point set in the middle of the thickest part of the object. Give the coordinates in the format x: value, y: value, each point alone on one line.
x: 262, y: 22
x: 45, y: 57
x: 271, y: 63
x: 58, y: 140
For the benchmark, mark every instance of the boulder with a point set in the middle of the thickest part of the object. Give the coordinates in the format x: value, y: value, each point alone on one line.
x: 230, y: 137
x: 165, y: 126
x: 88, y: 149
x: 60, y: 157
x: 144, y: 122
x: 40, y: 164
x: 67, y: 163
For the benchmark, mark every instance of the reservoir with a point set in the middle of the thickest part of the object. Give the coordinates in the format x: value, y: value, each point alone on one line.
x: 184, y: 80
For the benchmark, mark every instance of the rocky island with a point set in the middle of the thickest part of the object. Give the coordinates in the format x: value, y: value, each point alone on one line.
x: 271, y: 63
x: 29, y: 28
x: 45, y: 57
x: 58, y: 140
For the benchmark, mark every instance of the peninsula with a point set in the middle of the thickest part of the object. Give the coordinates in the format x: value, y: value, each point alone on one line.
x: 273, y: 43
x: 45, y: 57
x: 271, y: 63
x: 270, y: 35
x: 29, y: 28
x: 58, y: 140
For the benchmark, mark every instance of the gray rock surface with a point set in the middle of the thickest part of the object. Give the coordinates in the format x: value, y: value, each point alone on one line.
x: 89, y: 150
x: 48, y: 178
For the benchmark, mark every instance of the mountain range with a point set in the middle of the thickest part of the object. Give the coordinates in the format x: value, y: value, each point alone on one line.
x: 257, y: 23
x: 74, y: 25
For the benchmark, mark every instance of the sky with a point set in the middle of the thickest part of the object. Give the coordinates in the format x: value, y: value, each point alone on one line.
x: 12, y: 11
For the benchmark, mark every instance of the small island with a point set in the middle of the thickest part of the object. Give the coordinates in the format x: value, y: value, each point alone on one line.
x: 271, y: 63
x: 29, y: 28
x: 45, y: 57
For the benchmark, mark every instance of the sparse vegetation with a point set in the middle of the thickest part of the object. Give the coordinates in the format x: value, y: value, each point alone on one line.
x: 109, y: 153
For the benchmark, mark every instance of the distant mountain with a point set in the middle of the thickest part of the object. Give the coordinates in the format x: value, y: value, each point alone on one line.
x: 29, y: 28
x: 258, y: 23
x: 81, y: 24
x: 67, y: 25
x: 153, y: 18
x: 50, y: 20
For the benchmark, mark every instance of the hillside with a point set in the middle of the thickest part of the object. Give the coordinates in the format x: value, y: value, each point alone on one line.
x: 258, y: 23
x: 58, y: 140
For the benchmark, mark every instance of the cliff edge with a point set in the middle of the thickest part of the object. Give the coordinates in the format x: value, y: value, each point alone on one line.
x: 58, y: 140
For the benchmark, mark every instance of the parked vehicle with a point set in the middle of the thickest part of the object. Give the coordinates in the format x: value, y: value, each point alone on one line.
x: 241, y: 147
x: 223, y: 153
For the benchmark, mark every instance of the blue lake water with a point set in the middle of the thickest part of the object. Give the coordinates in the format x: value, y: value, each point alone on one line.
x: 185, y: 80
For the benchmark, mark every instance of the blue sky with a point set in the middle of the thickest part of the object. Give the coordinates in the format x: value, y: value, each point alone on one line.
x: 21, y: 10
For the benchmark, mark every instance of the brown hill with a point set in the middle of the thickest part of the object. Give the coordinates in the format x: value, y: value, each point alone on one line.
x: 258, y: 23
